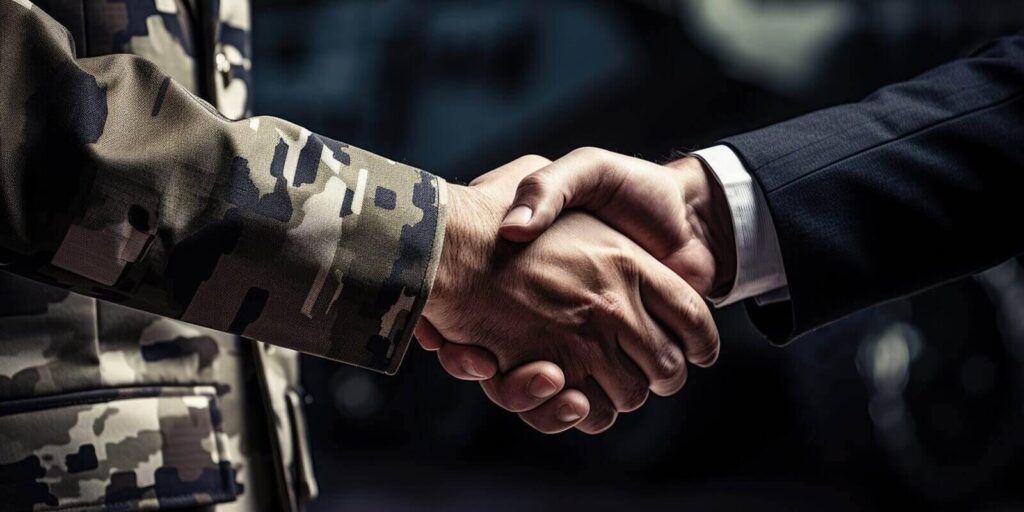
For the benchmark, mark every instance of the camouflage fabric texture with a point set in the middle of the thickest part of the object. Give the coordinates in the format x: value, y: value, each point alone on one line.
x: 148, y: 227
x: 155, y: 200
x: 57, y: 346
x: 131, y: 448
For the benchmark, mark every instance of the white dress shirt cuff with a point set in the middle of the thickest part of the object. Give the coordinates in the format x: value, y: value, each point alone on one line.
x: 759, y: 268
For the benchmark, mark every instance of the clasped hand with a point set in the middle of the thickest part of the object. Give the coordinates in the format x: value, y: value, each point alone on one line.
x: 571, y: 317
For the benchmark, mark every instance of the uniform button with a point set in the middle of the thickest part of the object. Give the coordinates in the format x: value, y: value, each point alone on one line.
x: 222, y: 63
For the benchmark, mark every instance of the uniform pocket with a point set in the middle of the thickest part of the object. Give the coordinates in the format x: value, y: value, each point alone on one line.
x: 136, y: 448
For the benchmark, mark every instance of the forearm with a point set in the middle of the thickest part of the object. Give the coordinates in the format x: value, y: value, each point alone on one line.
x: 879, y: 199
x: 120, y: 184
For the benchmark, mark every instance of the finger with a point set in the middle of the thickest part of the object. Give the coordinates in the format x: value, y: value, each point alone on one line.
x: 678, y: 307
x: 467, y: 362
x: 657, y: 354
x: 558, y: 414
x: 622, y: 381
x: 573, y: 180
x: 525, y: 387
x: 428, y: 336
x: 513, y: 171
x: 602, y: 411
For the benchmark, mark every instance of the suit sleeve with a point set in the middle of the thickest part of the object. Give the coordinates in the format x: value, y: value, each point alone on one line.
x: 918, y: 184
x: 120, y: 184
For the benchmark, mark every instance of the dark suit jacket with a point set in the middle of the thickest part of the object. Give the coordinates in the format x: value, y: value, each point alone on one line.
x: 920, y: 183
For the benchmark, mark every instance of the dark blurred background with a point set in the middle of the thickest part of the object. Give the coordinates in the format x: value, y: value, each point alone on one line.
x: 917, y: 403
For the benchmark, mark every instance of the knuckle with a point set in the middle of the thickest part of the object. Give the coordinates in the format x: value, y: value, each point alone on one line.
x: 704, y: 339
x: 704, y: 350
x: 612, y: 305
x: 623, y: 260
x: 668, y: 364
x: 533, y: 160
x: 590, y: 152
x: 712, y: 334
x: 534, y: 183
x: 672, y: 387
x: 692, y: 309
x: 669, y: 388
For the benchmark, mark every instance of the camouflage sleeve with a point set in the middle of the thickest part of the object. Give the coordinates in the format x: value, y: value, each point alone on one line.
x: 119, y: 184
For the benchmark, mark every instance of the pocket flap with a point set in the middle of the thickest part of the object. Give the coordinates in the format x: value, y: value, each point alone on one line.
x: 143, y: 448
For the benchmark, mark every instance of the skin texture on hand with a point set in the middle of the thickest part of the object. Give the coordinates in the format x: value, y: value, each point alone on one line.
x: 676, y: 211
x: 581, y: 295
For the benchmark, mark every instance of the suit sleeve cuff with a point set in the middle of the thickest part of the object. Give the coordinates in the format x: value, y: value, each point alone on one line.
x: 760, y: 273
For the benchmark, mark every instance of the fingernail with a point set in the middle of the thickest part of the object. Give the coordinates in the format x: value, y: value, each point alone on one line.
x: 542, y: 387
x: 470, y: 368
x: 518, y: 215
x: 567, y: 414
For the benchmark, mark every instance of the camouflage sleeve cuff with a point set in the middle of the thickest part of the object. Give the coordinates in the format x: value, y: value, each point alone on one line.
x: 351, y: 287
x: 393, y: 256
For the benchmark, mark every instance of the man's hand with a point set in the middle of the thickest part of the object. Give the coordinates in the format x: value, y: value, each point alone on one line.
x: 581, y: 295
x: 675, y: 211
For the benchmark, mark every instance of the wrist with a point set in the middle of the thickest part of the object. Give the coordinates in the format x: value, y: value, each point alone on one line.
x: 705, y: 196
x: 463, y: 250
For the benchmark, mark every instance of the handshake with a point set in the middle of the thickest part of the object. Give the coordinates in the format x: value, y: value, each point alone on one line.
x: 571, y: 289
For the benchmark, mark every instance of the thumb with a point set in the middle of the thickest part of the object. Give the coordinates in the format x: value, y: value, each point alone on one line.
x: 545, y: 193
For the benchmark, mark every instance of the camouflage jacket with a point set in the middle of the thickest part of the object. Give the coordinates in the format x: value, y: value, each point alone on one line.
x: 143, y: 229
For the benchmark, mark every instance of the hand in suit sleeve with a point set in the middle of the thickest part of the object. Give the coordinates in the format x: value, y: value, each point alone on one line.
x: 817, y: 217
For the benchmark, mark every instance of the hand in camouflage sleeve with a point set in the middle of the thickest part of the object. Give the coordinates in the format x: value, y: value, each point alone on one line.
x: 119, y: 184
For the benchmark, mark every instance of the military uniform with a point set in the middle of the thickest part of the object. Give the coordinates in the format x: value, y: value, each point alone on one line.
x: 143, y: 230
